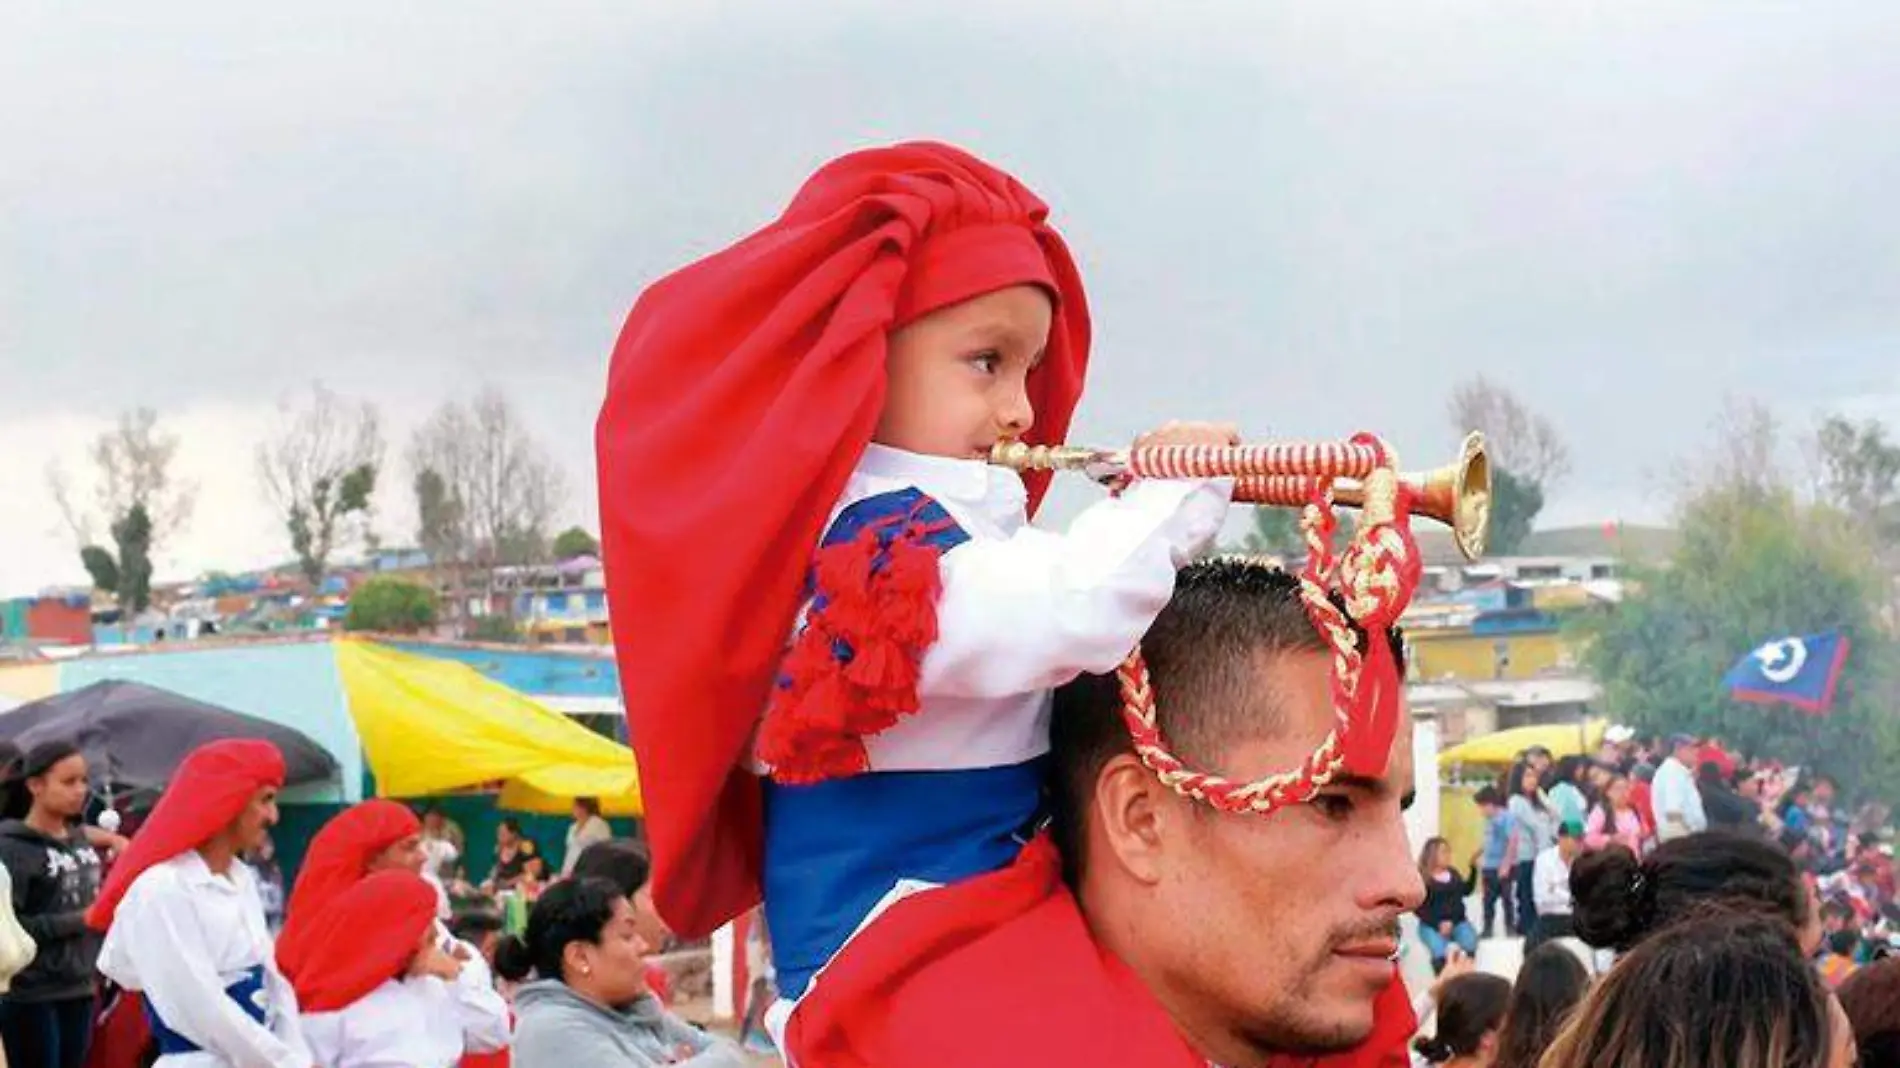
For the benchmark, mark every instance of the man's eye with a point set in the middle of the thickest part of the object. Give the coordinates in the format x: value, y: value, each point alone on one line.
x: 1333, y: 806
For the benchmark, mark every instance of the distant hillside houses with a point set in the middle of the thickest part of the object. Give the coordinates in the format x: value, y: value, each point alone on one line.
x: 1490, y: 645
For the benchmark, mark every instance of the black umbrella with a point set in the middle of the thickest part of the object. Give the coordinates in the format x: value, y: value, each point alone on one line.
x: 134, y: 736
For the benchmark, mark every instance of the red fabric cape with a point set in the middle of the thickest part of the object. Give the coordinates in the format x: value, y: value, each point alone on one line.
x: 365, y: 936
x: 212, y: 788
x: 335, y: 862
x: 1002, y: 971
x: 743, y: 390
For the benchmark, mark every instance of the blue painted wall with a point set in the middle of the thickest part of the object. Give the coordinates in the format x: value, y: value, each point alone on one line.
x: 539, y: 674
x: 295, y: 684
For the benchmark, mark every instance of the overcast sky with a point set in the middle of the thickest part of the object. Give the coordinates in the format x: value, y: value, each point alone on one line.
x: 1309, y: 218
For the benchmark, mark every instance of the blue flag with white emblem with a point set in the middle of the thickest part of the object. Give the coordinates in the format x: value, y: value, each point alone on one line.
x: 1800, y: 671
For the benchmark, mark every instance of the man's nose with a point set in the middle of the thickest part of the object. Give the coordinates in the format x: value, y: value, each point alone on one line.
x: 1392, y: 878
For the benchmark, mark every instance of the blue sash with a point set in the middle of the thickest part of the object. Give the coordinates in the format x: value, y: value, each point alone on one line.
x: 248, y: 992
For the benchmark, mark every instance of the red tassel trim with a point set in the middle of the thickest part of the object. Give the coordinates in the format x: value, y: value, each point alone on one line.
x: 852, y: 672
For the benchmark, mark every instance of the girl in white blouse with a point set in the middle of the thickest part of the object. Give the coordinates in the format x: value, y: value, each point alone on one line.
x: 383, y: 989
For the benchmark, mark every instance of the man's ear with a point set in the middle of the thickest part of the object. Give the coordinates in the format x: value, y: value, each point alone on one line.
x: 1136, y: 818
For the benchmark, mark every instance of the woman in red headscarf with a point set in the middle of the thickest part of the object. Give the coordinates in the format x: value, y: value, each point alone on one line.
x: 379, y: 988
x: 813, y: 411
x: 377, y: 835
x: 184, y: 924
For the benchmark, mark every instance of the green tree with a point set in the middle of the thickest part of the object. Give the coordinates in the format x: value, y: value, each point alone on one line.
x: 1276, y: 532
x: 133, y: 535
x: 1753, y: 564
x: 135, y: 497
x: 575, y: 542
x: 1860, y: 473
x: 102, y: 566
x: 1515, y: 502
x: 320, y: 472
x: 391, y: 606
x: 499, y: 629
x: 1528, y: 457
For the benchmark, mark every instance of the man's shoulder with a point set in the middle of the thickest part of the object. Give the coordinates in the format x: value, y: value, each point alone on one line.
x: 1032, y: 986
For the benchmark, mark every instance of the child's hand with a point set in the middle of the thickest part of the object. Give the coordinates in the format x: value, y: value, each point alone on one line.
x: 1190, y: 434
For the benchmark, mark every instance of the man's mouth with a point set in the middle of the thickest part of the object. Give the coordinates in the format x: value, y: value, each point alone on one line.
x: 1378, y: 949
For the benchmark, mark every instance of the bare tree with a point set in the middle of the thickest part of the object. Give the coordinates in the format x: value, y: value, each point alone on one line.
x: 320, y: 472
x: 486, y: 492
x: 1745, y: 454
x: 136, y: 500
x: 1521, y: 441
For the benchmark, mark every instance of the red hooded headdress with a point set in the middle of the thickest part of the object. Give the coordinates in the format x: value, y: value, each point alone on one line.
x: 363, y: 938
x: 336, y: 861
x: 743, y: 392
x: 211, y: 789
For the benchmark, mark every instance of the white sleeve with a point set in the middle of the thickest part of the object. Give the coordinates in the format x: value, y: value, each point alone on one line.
x: 1035, y: 610
x: 184, y: 989
x: 1662, y: 795
x: 286, y: 1015
x: 481, y: 1010
x: 1550, y: 884
x: 325, y: 1033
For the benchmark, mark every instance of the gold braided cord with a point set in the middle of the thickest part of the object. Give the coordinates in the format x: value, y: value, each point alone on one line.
x: 1370, y: 580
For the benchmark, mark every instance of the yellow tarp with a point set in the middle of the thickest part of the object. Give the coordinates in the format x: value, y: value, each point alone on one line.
x: 1497, y: 750
x: 435, y: 726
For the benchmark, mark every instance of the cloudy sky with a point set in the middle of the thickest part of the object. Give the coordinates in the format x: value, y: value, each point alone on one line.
x: 1309, y: 218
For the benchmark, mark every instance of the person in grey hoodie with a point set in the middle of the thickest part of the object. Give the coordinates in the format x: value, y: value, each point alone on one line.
x: 588, y: 1001
x: 46, y: 1019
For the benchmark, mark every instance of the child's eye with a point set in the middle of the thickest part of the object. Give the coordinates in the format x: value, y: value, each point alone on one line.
x: 987, y: 362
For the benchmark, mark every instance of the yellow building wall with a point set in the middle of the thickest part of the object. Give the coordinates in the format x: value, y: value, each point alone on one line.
x: 1473, y: 657
x: 29, y: 682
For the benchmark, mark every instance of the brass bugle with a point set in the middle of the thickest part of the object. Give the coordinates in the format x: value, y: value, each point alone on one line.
x: 1458, y: 494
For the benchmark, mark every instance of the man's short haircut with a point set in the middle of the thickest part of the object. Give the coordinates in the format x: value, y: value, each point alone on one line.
x: 1204, y: 655
x: 619, y: 861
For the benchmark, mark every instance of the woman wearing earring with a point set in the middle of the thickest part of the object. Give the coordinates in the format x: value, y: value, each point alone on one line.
x: 588, y: 1002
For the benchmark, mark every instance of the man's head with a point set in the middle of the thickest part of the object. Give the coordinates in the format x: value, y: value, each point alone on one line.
x: 1569, y: 840
x: 1685, y: 749
x: 1824, y: 791
x: 1257, y: 933
x: 1488, y: 800
x: 1538, y: 757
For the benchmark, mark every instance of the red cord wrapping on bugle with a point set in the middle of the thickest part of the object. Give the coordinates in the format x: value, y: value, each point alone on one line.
x: 1374, y: 578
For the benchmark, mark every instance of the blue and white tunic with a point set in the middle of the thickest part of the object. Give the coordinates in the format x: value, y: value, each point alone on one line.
x: 195, y: 944
x: 954, y: 790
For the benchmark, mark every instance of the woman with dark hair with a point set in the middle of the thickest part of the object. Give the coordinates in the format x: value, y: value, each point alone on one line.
x: 1442, y: 922
x: 46, y: 1018
x: 1566, y: 792
x: 1613, y: 821
x: 1533, y: 830
x: 1549, y: 984
x: 1723, y: 989
x: 589, y: 828
x: 1620, y: 900
x: 1470, y: 1011
x: 1871, y: 998
x: 588, y: 1002
x: 517, y: 859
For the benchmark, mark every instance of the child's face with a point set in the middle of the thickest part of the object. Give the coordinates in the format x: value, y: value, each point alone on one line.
x: 958, y: 378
